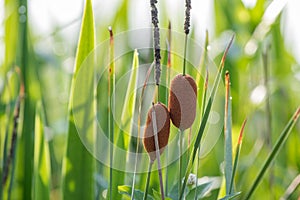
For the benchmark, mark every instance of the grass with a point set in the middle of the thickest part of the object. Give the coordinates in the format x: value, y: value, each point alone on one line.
x: 51, y: 121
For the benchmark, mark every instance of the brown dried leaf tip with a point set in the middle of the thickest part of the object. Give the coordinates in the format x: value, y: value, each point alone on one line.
x: 163, y: 129
x: 183, y: 101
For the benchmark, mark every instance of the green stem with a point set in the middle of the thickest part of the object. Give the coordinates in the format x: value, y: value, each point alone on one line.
x: 148, y: 180
x: 184, y: 58
x: 157, y: 152
x: 180, y: 159
x: 111, y: 104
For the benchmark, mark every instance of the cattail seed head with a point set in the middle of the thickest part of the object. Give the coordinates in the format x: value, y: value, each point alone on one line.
x: 163, y: 129
x: 188, y: 5
x: 183, y: 101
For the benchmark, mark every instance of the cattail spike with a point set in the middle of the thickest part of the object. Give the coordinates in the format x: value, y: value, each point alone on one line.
x: 156, y: 45
x: 188, y: 5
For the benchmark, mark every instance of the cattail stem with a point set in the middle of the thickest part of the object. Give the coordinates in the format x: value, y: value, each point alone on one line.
x: 154, y: 123
x: 188, y: 5
x: 180, y: 159
x: 184, y: 58
x: 148, y: 180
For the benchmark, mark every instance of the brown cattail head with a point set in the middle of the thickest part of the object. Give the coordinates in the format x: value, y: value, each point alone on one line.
x: 183, y: 101
x: 163, y: 129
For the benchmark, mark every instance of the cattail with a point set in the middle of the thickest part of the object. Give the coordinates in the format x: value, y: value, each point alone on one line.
x: 156, y: 45
x: 188, y: 5
x: 182, y: 101
x: 163, y: 130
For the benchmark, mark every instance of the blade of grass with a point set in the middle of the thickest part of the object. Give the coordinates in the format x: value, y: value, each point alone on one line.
x: 237, y: 154
x: 228, y: 135
x: 139, y: 128
x: 24, y: 155
x: 42, y: 171
x: 129, y: 106
x: 203, y: 100
x: 280, y: 141
x: 11, y: 28
x: 205, y: 118
x: 203, y: 104
x: 168, y: 76
x: 113, y: 187
x: 291, y: 188
x: 78, y: 164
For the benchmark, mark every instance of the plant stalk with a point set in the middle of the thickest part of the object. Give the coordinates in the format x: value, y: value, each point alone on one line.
x: 148, y: 180
x: 154, y: 123
x: 184, y: 58
x: 180, y: 160
x: 111, y: 104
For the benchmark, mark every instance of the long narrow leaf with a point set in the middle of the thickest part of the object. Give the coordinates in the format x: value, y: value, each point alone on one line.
x: 280, y: 141
x: 228, y: 135
x: 42, y: 171
x: 237, y: 154
x: 78, y: 164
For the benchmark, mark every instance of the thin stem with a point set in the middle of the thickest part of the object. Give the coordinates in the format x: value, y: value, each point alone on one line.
x: 184, y: 58
x: 197, y: 174
x: 167, y: 95
x: 157, y: 152
x: 111, y: 83
x: 135, y: 164
x: 148, y: 180
x: 180, y: 160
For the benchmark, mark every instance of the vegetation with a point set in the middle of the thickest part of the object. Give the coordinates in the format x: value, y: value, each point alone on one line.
x: 231, y: 128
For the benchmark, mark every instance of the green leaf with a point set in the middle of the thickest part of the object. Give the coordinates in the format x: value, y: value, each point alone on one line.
x: 157, y: 195
x: 232, y: 196
x: 205, y: 118
x: 138, y: 195
x: 228, y: 135
x: 42, y: 171
x: 200, y: 189
x: 11, y: 28
x: 237, y: 154
x: 78, y: 164
x: 280, y: 141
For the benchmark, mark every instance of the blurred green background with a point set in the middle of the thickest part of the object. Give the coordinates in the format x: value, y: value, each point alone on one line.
x: 40, y: 38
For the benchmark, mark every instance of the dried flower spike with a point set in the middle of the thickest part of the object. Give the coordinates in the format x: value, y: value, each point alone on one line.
x: 188, y: 5
x: 163, y: 129
x: 156, y: 39
x: 182, y: 101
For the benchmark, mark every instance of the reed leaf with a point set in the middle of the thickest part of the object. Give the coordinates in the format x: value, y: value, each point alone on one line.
x: 42, y: 171
x: 280, y: 141
x: 78, y: 163
x: 228, y: 135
